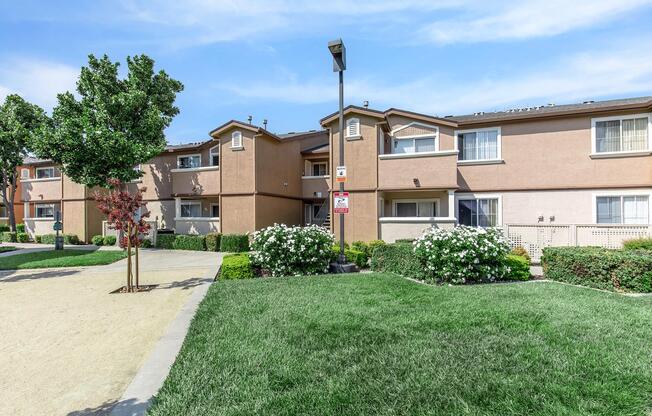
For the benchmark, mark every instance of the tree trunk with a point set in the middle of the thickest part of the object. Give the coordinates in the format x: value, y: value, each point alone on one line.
x: 10, y: 203
x: 137, y: 269
x: 129, y: 258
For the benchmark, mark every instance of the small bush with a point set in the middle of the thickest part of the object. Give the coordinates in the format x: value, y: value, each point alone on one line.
x: 373, y: 244
x: 397, y: 258
x: 38, y: 239
x: 520, y: 251
x: 213, y: 241
x: 22, y: 237
x: 8, y: 237
x: 234, y: 243
x: 165, y: 241
x: 70, y: 239
x: 4, y: 228
x: 236, y: 266
x: 601, y: 268
x: 405, y: 240
x: 48, y: 238
x: 190, y: 242
x: 463, y: 254
x: 110, y: 240
x: 292, y: 251
x: 519, y: 267
x: 643, y: 243
x: 357, y: 257
x: 360, y: 246
x: 20, y: 228
x: 145, y: 243
x: 98, y: 240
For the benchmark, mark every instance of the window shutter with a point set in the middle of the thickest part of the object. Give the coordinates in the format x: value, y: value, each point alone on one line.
x: 352, y: 127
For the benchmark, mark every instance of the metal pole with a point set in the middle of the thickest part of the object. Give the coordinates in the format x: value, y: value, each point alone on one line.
x: 342, y: 258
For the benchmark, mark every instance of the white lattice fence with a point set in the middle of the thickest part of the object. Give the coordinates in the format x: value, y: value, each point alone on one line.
x: 535, y: 237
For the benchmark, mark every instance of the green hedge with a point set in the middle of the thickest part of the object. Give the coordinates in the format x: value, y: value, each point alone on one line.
x: 189, y: 242
x: 98, y: 240
x: 70, y: 239
x: 110, y: 240
x: 22, y: 237
x: 236, y: 266
x: 20, y: 228
x: 397, y: 258
x: 165, y: 241
x: 643, y: 243
x: 8, y: 237
x: 519, y: 267
x: 358, y: 257
x: 146, y: 243
x: 47, y: 238
x: 4, y: 228
x: 213, y: 241
x: 618, y: 270
x: 234, y: 243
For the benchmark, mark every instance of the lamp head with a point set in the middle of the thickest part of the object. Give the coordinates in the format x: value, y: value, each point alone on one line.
x: 337, y: 49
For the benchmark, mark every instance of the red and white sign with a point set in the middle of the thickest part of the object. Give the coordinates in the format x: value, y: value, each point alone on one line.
x: 341, y: 202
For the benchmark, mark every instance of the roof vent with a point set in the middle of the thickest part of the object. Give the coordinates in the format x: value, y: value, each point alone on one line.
x: 250, y: 118
x: 588, y: 102
x: 365, y: 104
x: 551, y: 104
x: 264, y: 124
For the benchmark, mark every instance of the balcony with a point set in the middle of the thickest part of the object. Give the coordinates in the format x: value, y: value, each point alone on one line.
x: 315, y: 186
x: 396, y: 228
x: 46, y: 189
x: 197, y: 225
x: 196, y: 181
x: 429, y: 170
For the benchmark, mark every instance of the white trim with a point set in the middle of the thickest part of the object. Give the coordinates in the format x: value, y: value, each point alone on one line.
x: 190, y: 155
x: 235, y: 146
x: 316, y: 177
x: 37, y: 206
x: 417, y: 154
x: 417, y: 219
x: 214, y: 204
x: 416, y: 123
x: 24, y: 177
x: 36, y: 170
x: 358, y: 128
x: 188, y: 202
x: 41, y: 219
x: 416, y: 201
x: 606, y: 155
x: 481, y: 162
x: 622, y: 193
x: 211, y: 154
x: 434, y: 135
x: 195, y: 169
x: 58, y: 178
x: 594, y: 151
x: 480, y: 195
x: 313, y: 164
x: 499, y: 145
x: 217, y: 219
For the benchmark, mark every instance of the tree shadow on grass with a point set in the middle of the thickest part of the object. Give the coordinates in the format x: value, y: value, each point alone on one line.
x: 126, y: 407
x: 13, y: 276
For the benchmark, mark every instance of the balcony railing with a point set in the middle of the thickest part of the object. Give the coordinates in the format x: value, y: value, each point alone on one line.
x: 196, y: 181
x: 197, y: 225
x: 396, y: 228
x: 414, y: 171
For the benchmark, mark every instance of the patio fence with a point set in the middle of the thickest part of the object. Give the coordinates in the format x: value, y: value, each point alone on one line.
x: 535, y: 237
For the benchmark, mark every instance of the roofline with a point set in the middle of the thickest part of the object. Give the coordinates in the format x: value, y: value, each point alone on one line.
x: 313, y: 148
x: 224, y: 126
x: 173, y: 149
x: 349, y: 108
x: 440, y: 120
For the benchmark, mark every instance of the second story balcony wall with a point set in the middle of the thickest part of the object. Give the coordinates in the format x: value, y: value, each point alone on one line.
x: 44, y: 189
x: 196, y: 181
x: 315, y: 186
x: 437, y: 170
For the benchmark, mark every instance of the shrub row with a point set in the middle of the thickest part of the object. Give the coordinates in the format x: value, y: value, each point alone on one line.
x: 208, y: 242
x: 100, y: 240
x: 49, y: 239
x: 236, y: 266
x: 398, y: 258
x: 189, y: 242
x: 643, y: 243
x: 618, y: 270
x: 8, y: 237
x: 4, y: 228
x: 234, y: 243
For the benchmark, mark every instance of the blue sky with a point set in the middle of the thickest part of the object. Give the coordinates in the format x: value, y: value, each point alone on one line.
x: 269, y: 58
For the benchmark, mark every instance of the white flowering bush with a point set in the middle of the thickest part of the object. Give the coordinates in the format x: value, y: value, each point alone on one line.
x: 292, y: 251
x: 463, y: 254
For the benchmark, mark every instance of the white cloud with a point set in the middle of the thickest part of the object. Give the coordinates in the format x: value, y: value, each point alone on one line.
x: 612, y: 71
x: 37, y: 81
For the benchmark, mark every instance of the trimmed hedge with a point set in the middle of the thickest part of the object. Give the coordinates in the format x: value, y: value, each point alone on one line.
x: 20, y: 228
x: 520, y: 251
x: 22, y: 237
x: 397, y: 258
x: 189, y: 242
x: 213, y: 241
x: 98, y: 240
x: 359, y: 258
x: 70, y: 239
x: 519, y: 267
x: 165, y: 241
x: 616, y: 270
x: 47, y: 238
x: 234, y: 243
x: 236, y: 266
x: 145, y: 243
x: 4, y: 228
x: 643, y: 243
x: 8, y: 237
x: 110, y: 240
x: 38, y: 239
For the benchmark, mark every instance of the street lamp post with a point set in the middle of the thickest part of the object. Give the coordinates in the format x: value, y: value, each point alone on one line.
x: 337, y: 49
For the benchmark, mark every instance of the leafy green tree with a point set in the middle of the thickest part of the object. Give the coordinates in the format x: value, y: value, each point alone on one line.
x: 115, y: 124
x: 20, y: 121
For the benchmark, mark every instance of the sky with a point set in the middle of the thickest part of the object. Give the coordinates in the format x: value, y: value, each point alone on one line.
x: 269, y: 59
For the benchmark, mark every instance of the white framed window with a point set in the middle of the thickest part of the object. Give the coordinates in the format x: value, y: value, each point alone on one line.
x: 190, y: 209
x: 416, y: 208
x: 352, y: 128
x: 478, y: 145
x: 188, y: 161
x: 24, y: 173
x: 236, y: 139
x: 622, y: 209
x: 215, y: 210
x: 319, y: 168
x: 44, y: 173
x: 214, y: 155
x: 44, y: 211
x: 420, y: 138
x: 621, y: 134
x: 3, y: 211
x: 478, y: 210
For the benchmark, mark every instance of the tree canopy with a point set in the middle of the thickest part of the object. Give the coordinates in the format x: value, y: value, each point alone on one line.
x: 113, y: 124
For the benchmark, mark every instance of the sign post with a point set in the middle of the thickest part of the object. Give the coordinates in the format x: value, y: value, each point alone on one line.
x: 58, y: 226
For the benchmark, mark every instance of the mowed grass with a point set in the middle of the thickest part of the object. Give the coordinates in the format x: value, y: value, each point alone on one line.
x: 377, y: 344
x: 5, y: 249
x: 65, y: 258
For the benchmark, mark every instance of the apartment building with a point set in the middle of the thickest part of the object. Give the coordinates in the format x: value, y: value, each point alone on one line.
x: 586, y: 163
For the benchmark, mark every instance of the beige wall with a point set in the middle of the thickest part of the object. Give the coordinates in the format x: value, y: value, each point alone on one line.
x: 48, y: 190
x: 237, y: 166
x: 270, y: 210
x: 392, y: 231
x: 311, y: 186
x: 72, y: 190
x: 361, y: 223
x: 203, y: 182
x: 94, y: 220
x: 74, y: 218
x: 157, y: 177
x: 196, y: 226
x: 162, y: 212
x: 278, y: 166
x: 446, y: 141
x: 431, y: 172
x: 237, y: 214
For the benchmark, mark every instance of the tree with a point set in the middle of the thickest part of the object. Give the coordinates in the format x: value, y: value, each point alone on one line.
x: 126, y: 213
x: 20, y: 121
x: 115, y: 125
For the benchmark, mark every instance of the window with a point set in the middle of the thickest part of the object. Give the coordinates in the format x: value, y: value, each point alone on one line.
x: 414, y: 145
x: 44, y: 211
x: 215, y: 155
x: 418, y: 208
x: 215, y: 210
x: 481, y: 212
x: 190, y: 209
x: 24, y: 173
x: 353, y: 127
x: 319, y: 169
x: 621, y: 134
x: 626, y: 209
x: 479, y: 145
x: 43, y: 173
x: 3, y: 211
x: 189, y: 161
x: 236, y: 139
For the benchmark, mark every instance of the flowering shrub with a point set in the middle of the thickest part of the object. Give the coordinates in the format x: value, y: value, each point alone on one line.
x: 463, y: 254
x: 287, y: 251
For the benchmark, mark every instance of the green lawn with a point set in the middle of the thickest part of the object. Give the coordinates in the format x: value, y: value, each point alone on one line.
x: 65, y: 258
x: 377, y: 344
x: 4, y: 249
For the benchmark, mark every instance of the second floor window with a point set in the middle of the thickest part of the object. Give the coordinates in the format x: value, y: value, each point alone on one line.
x: 319, y: 169
x: 414, y: 145
x: 189, y: 162
x: 190, y: 209
x: 3, y: 211
x: 44, y: 211
x: 478, y: 145
x: 621, y: 134
x: 236, y: 139
x: 43, y: 173
x: 215, y: 156
x: 628, y: 209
